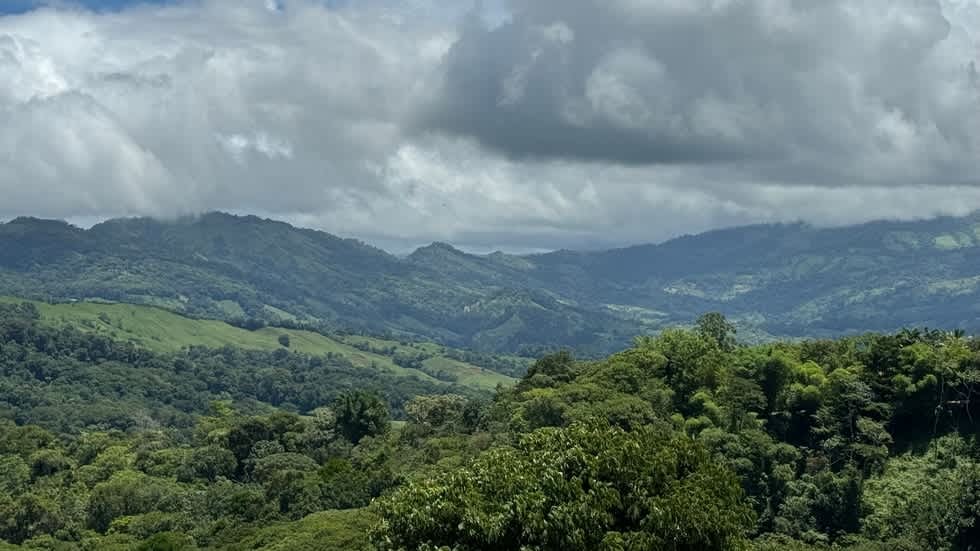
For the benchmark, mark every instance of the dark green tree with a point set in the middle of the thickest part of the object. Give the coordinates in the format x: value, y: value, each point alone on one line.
x: 549, y: 370
x: 360, y: 414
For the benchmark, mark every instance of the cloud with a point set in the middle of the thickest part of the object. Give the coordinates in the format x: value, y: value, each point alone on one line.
x: 533, y: 124
x: 881, y: 92
x: 214, y: 104
x: 451, y: 190
x: 238, y: 145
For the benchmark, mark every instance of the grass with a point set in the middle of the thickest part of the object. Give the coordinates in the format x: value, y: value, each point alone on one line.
x: 164, y: 331
x: 468, y: 374
x: 473, y: 375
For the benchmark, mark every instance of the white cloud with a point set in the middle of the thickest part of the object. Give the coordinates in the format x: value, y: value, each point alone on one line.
x: 215, y: 104
x: 569, y: 123
x: 238, y: 145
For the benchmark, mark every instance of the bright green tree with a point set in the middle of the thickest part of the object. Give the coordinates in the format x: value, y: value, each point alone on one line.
x: 584, y: 487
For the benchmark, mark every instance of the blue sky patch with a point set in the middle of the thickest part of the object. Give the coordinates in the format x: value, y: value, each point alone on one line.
x: 21, y: 6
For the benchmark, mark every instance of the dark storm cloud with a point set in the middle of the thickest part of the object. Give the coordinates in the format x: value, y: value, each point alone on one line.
x: 805, y: 91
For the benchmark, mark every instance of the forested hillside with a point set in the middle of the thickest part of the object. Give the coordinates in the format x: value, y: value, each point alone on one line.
x: 687, y: 440
x: 162, y: 331
x: 72, y: 378
x: 241, y: 268
x: 782, y: 280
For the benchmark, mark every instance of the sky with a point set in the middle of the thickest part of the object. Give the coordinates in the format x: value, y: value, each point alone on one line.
x: 495, y: 124
x: 22, y: 6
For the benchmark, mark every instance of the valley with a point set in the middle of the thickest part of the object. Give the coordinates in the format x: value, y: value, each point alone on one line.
x: 773, y: 281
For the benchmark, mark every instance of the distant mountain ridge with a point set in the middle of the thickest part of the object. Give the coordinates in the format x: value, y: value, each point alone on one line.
x: 787, y: 279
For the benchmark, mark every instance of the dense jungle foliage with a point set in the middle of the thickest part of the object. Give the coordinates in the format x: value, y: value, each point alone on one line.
x: 686, y: 441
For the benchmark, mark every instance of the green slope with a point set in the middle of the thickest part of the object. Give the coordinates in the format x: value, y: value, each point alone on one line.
x: 773, y: 280
x: 225, y: 267
x: 433, y: 359
x: 164, y: 331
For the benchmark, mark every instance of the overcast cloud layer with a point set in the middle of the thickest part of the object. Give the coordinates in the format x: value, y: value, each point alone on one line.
x: 520, y: 125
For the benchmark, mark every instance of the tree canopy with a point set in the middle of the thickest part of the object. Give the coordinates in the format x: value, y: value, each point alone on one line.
x: 686, y: 440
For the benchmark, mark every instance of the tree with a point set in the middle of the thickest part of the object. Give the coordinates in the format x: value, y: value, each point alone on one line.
x: 360, y: 414
x: 284, y: 340
x: 583, y: 487
x: 168, y: 541
x: 714, y: 326
x: 48, y: 462
x: 693, y: 361
x: 851, y: 422
x: 436, y: 410
x: 549, y: 370
x: 932, y: 499
x: 128, y: 493
x: 210, y: 463
x: 288, y: 481
x: 743, y: 399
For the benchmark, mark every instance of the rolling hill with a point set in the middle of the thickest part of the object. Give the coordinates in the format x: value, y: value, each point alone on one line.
x: 163, y: 331
x: 784, y: 280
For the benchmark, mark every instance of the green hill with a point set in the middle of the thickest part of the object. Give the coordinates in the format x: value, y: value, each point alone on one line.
x: 163, y: 331
x: 783, y: 280
x: 225, y: 267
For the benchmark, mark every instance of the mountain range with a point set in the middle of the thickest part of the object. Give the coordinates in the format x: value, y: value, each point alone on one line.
x: 772, y: 280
